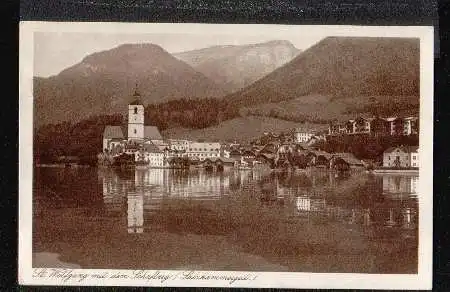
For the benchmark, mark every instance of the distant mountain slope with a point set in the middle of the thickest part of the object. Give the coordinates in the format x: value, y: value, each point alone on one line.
x: 235, y: 67
x: 342, y: 67
x: 324, y: 109
x: 104, y: 82
x: 242, y: 129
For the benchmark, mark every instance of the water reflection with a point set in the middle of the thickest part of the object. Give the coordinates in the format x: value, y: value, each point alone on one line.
x: 354, y: 200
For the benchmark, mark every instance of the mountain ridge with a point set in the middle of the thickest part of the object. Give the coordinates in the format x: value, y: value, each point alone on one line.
x: 237, y: 66
x: 341, y: 66
x: 103, y: 82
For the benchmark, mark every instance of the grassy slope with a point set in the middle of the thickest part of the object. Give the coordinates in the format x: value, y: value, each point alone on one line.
x: 325, y: 107
x: 240, y: 129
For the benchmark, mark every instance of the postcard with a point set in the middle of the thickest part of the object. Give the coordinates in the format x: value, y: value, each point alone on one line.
x: 225, y: 155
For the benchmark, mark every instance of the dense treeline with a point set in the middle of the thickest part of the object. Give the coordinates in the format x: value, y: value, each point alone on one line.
x: 365, y: 146
x: 84, y: 139
x: 196, y: 114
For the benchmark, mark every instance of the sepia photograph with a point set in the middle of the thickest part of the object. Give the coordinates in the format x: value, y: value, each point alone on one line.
x: 190, y: 154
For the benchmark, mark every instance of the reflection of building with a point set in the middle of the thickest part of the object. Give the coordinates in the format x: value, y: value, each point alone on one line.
x: 198, y: 185
x: 305, y: 203
x: 400, y: 184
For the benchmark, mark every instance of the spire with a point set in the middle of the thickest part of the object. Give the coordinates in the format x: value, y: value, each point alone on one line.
x: 136, y: 96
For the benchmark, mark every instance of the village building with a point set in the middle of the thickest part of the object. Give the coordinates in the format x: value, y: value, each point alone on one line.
x: 178, y: 145
x: 411, y: 126
x: 203, y: 150
x: 394, y: 126
x: 401, y: 157
x: 301, y: 136
x: 345, y: 160
x: 150, y: 155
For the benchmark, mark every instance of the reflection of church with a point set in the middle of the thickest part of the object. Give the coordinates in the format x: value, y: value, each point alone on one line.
x: 143, y: 192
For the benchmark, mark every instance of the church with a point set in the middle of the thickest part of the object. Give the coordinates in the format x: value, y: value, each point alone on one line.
x: 135, y: 137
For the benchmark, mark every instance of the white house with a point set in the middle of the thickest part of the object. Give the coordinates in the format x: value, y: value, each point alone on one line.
x: 301, y: 136
x: 203, y: 150
x: 402, y: 156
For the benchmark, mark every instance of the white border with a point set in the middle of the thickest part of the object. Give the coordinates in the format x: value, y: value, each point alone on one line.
x: 423, y: 280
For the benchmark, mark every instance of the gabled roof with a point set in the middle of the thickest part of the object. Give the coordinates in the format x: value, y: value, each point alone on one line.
x: 321, y: 153
x: 266, y: 156
x: 390, y: 119
x: 152, y: 133
x: 406, y: 149
x: 112, y: 132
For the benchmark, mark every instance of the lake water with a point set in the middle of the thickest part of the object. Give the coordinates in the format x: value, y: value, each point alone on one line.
x: 237, y: 220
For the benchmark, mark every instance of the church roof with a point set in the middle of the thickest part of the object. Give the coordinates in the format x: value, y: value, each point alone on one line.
x: 112, y: 132
x: 152, y: 133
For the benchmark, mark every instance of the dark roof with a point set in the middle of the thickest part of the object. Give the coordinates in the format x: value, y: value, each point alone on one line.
x: 222, y: 159
x: 111, y: 132
x: 349, y: 158
x: 152, y: 133
x: 266, y: 156
x: 151, y: 148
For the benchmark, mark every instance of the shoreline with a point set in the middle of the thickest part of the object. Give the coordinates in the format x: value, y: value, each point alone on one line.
x: 396, y: 171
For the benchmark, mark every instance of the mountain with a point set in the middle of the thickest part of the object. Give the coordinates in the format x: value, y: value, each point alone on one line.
x: 235, y: 67
x: 105, y: 81
x: 355, y: 68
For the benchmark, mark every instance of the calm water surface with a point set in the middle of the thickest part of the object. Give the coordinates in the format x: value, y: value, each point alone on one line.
x: 237, y: 220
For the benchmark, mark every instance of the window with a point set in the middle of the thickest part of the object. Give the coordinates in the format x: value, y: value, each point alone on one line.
x: 135, y: 131
x: 414, y: 157
x: 135, y: 110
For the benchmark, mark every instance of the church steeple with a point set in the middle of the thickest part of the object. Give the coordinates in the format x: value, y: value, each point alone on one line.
x: 136, y: 118
x: 136, y: 96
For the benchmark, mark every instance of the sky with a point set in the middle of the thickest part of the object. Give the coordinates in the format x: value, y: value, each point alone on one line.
x: 61, y: 45
x: 56, y: 51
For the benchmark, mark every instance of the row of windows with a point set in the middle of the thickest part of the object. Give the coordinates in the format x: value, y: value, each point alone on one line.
x: 414, y: 157
x: 204, y: 149
x: 203, y: 154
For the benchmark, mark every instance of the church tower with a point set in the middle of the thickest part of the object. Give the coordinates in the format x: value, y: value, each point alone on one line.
x: 136, y: 118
